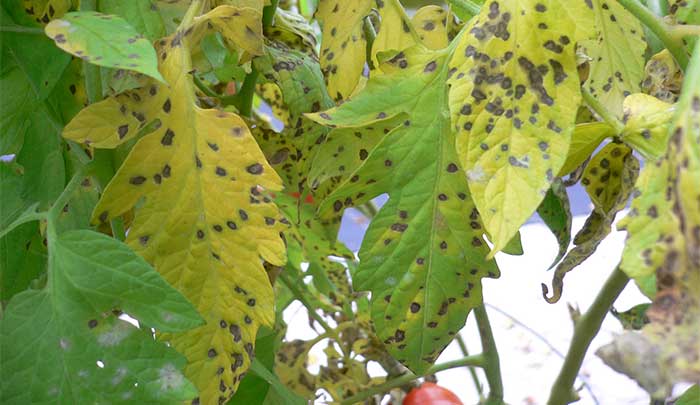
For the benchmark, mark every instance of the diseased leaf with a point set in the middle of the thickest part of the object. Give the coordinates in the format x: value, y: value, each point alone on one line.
x: 585, y: 139
x: 663, y: 77
x: 80, y: 351
x: 42, y: 11
x: 203, y: 217
x: 616, y: 54
x: 609, y: 179
x: 291, y: 152
x: 634, y: 318
x: 430, y: 23
x: 663, y: 238
x: 395, y: 32
x: 420, y: 258
x: 686, y: 12
x: 556, y: 214
x: 514, y: 97
x: 104, y: 40
x: 647, y: 120
x: 143, y: 15
x: 343, y: 44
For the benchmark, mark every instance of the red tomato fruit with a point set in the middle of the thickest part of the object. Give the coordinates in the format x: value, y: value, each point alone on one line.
x: 431, y: 394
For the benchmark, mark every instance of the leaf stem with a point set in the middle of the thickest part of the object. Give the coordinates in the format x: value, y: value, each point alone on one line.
x: 475, y: 378
x: 663, y: 31
x: 203, y: 87
x: 604, y: 113
x: 475, y: 361
x: 584, y: 332
x: 298, y: 294
x: 67, y: 193
x: 370, y: 35
x: 492, y: 365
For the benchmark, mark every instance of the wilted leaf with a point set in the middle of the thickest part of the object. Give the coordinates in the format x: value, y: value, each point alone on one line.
x: 609, y: 179
x: 556, y: 214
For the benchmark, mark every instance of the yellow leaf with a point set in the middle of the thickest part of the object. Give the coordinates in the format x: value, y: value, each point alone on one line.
x: 616, y: 54
x: 430, y: 23
x: 202, y: 218
x: 395, y: 32
x: 343, y: 45
x: 584, y: 141
x: 514, y: 97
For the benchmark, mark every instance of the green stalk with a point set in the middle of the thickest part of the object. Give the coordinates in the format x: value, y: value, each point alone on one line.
x: 586, y: 329
x: 370, y: 36
x: 663, y: 31
x: 298, y: 294
x: 492, y: 364
x: 243, y: 101
x: 475, y: 361
x: 475, y: 378
x: 21, y: 30
x: 604, y: 113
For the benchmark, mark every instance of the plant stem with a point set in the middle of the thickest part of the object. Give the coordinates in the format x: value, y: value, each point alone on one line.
x: 584, y: 332
x: 492, y: 365
x: 298, y: 294
x: 203, y: 87
x: 682, y: 30
x: 546, y: 342
x: 67, y: 193
x: 370, y: 36
x: 475, y: 378
x: 604, y: 113
x: 243, y: 100
x: 674, y: 44
x: 475, y: 361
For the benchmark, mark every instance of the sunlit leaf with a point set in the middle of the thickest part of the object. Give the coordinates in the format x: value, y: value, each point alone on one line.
x: 514, y: 97
x: 647, y: 120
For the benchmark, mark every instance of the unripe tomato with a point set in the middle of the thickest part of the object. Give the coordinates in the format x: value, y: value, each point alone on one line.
x: 431, y: 394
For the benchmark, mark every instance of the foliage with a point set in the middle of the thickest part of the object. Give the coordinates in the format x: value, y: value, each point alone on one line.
x: 174, y: 175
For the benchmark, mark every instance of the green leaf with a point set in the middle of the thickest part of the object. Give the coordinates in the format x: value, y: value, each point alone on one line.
x: 616, y: 55
x: 609, y: 179
x: 36, y: 56
x: 104, y: 40
x: 420, y: 258
x: 283, y: 393
x: 22, y: 259
x: 514, y: 247
x: 556, y: 214
x: 18, y: 103
x: 143, y: 15
x: 584, y: 141
x: 514, y: 97
x: 691, y: 396
x: 81, y: 352
x: 647, y: 120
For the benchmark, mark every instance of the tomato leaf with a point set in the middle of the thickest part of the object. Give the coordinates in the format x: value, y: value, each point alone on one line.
x: 104, y: 40
x: 514, y: 96
x: 80, y: 351
x: 420, y: 258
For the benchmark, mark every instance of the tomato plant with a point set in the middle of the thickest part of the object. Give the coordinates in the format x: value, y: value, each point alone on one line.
x: 174, y: 174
